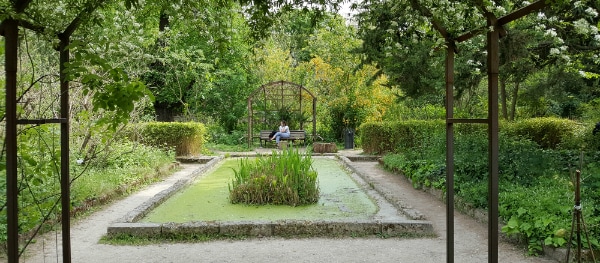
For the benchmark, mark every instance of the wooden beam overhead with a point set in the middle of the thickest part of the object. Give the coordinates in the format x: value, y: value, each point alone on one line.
x: 521, y: 12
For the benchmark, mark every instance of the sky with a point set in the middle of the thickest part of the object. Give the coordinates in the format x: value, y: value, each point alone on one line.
x: 345, y: 10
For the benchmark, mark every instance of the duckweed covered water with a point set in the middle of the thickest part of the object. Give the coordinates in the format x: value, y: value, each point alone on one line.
x: 207, y: 199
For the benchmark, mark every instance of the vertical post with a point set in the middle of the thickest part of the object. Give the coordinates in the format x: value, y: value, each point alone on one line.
x: 65, y: 180
x: 577, y: 210
x: 449, y: 154
x: 314, y: 119
x: 11, y: 47
x: 493, y: 48
x: 250, y: 117
x: 300, y: 89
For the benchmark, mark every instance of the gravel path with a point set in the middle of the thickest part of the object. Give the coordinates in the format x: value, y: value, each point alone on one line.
x: 470, y: 237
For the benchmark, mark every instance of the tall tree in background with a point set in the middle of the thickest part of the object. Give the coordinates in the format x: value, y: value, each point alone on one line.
x: 347, y: 94
x: 400, y: 37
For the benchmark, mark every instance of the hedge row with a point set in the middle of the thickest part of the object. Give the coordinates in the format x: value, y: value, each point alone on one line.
x: 384, y: 137
x: 186, y: 138
x: 548, y: 133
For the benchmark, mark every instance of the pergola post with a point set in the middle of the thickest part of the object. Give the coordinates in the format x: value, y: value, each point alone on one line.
x: 493, y: 64
x: 11, y: 47
x: 65, y: 177
x: 449, y: 153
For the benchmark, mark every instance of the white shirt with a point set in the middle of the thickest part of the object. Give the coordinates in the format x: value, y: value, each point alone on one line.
x: 284, y: 129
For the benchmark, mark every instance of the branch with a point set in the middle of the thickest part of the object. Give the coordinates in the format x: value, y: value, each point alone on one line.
x: 33, y: 27
x: 434, y: 22
x: 20, y: 5
x: 91, y: 7
x: 475, y: 32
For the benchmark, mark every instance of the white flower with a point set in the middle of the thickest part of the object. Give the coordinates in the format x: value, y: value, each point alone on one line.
x: 582, y: 27
x: 541, y: 16
x: 592, y: 12
x: 554, y: 51
x: 80, y: 161
x: 500, y: 9
x: 597, y: 38
x: 551, y: 32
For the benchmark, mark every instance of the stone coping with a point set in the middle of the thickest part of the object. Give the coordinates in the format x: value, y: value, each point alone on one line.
x: 283, y: 228
x: 390, y: 223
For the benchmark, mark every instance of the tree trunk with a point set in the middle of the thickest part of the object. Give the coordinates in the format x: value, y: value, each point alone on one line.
x: 503, y: 98
x: 513, y: 106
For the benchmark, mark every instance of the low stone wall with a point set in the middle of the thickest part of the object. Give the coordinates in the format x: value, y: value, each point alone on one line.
x: 319, y: 147
x: 285, y: 228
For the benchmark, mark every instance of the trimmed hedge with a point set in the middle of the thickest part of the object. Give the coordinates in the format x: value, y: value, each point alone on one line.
x: 187, y: 138
x: 385, y: 137
x: 548, y: 132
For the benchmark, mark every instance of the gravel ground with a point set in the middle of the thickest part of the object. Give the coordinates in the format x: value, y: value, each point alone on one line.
x: 470, y: 237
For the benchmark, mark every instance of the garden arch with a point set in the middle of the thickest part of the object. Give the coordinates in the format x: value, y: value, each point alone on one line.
x: 281, y: 100
x: 495, y: 32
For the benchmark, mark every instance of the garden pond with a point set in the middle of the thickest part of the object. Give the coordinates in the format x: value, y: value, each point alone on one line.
x: 207, y: 199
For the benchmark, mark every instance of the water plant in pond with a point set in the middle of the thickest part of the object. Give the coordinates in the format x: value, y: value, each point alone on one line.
x: 283, y: 178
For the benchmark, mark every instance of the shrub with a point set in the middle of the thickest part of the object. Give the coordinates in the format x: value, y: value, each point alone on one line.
x: 387, y: 137
x: 549, y: 133
x: 282, y: 178
x: 186, y: 138
x: 539, y: 213
x: 535, y: 198
x: 218, y: 135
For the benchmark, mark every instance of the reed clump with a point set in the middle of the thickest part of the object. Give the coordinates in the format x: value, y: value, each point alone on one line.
x: 283, y: 178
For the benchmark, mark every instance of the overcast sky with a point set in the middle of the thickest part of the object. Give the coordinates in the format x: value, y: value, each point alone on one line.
x: 345, y: 10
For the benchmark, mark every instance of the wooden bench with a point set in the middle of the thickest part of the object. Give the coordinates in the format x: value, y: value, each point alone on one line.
x: 295, y: 135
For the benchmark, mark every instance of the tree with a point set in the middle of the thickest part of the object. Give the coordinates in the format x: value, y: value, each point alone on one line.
x: 398, y: 33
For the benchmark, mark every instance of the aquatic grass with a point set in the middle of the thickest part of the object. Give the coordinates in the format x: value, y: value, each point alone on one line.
x: 283, y: 178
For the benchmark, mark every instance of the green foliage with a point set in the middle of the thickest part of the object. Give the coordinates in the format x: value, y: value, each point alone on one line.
x: 218, y: 135
x: 409, y: 111
x: 129, y: 166
x: 549, y: 133
x: 112, y: 88
x: 539, y: 213
x: 187, y: 138
x: 281, y: 178
x: 385, y: 137
x: 536, y: 193
x: 422, y: 173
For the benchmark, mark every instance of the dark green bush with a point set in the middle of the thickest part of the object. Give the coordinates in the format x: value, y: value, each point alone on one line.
x: 218, y: 135
x: 389, y: 137
x: 535, y: 199
x: 548, y: 132
x: 186, y: 138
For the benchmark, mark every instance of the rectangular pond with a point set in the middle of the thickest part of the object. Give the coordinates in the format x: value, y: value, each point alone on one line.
x: 207, y: 199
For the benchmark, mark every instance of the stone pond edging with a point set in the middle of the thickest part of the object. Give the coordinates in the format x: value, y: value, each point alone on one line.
x: 414, y: 226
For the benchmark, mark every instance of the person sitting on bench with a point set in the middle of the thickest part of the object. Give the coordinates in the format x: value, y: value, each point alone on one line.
x: 284, y: 132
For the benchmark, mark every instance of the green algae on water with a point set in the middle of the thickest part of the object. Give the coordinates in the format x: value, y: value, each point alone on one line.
x: 207, y: 199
